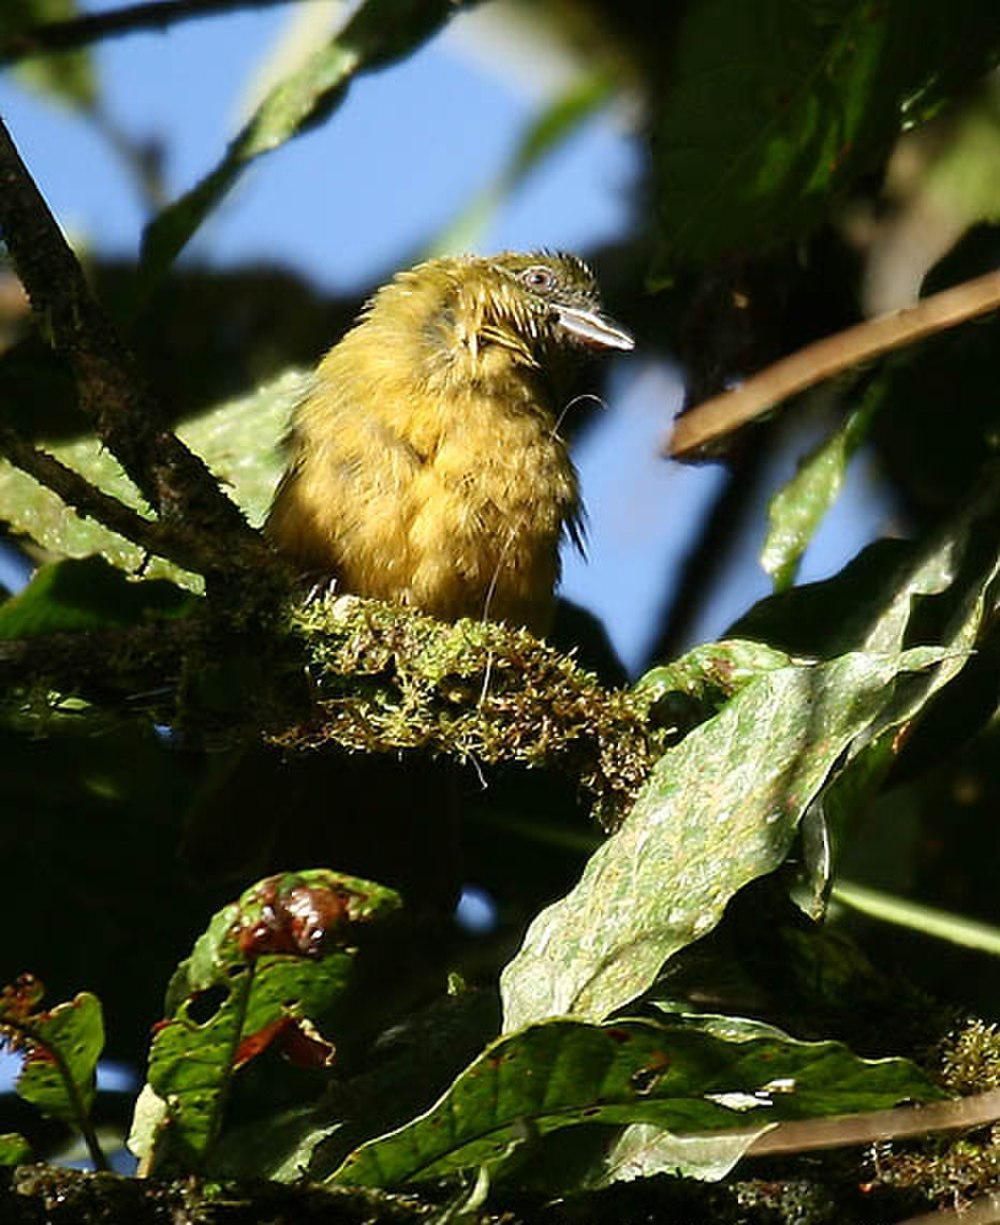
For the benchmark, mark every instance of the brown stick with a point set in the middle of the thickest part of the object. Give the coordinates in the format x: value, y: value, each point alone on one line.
x: 111, y: 390
x: 829, y: 356
x: 90, y: 27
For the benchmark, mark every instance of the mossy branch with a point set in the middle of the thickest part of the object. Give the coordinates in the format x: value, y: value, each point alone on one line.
x: 386, y: 678
x: 381, y: 679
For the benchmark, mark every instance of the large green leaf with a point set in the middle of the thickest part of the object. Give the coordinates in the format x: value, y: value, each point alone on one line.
x: 678, y: 1077
x: 87, y: 594
x: 376, y: 33
x: 283, y: 956
x: 772, y: 109
x: 719, y: 809
x: 66, y: 75
x: 239, y: 440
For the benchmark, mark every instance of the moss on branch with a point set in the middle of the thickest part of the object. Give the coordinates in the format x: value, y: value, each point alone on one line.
x: 386, y: 678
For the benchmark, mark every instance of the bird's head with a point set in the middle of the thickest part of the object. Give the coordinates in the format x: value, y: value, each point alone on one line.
x: 475, y: 316
x: 551, y: 300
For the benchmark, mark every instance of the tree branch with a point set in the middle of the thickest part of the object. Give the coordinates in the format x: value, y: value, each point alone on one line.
x: 90, y: 27
x: 112, y: 392
x: 382, y: 679
x: 171, y: 541
x: 828, y: 357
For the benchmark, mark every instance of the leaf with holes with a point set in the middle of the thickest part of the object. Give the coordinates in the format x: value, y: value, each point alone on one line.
x: 283, y: 959
x: 677, y: 1076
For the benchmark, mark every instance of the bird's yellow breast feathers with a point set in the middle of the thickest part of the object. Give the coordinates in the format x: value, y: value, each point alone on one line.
x: 426, y: 465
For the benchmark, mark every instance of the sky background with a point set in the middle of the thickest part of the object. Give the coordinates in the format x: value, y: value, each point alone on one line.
x: 344, y: 205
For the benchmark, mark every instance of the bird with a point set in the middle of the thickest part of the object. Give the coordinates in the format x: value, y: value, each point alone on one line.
x: 425, y: 461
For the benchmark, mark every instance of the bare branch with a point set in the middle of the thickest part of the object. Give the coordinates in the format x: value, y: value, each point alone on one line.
x: 112, y: 392
x: 90, y: 27
x: 828, y: 357
x: 171, y: 541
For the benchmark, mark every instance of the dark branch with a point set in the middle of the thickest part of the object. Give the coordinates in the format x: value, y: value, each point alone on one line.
x: 90, y: 27
x: 112, y: 664
x: 171, y: 541
x: 111, y: 390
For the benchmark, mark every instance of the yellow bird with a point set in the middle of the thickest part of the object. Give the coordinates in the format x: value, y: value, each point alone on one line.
x: 426, y: 465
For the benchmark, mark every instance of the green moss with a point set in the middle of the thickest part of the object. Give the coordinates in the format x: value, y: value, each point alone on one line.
x: 387, y: 678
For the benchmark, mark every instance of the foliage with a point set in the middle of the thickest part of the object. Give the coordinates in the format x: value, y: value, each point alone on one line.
x: 656, y: 1006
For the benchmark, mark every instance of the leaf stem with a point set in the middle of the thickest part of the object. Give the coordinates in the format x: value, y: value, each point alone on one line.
x: 928, y: 920
x: 244, y: 985
x: 80, y: 1112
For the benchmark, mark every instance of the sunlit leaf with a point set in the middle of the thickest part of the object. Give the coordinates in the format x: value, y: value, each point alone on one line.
x: 377, y: 33
x: 61, y: 1047
x: 240, y: 440
x: 14, y: 1149
x: 720, y: 809
x: 798, y: 508
x: 682, y: 1078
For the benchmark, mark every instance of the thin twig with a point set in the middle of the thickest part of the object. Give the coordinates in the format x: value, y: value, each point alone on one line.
x: 86, y: 499
x: 111, y: 391
x: 828, y: 357
x: 91, y: 27
x: 840, y: 1131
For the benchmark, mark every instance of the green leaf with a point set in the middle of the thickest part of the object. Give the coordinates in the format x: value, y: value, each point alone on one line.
x: 240, y: 440
x: 66, y: 75
x: 771, y: 110
x: 377, y: 33
x: 283, y: 956
x: 14, y: 1149
x: 59, y: 1072
x: 719, y: 809
x: 644, y: 1150
x: 798, y: 508
x: 678, y: 1077
x: 87, y: 594
x: 711, y: 674
x: 412, y: 1063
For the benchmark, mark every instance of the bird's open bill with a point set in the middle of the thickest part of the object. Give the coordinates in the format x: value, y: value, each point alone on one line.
x: 594, y: 329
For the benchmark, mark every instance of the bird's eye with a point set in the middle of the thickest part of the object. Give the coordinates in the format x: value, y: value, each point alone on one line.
x: 539, y: 278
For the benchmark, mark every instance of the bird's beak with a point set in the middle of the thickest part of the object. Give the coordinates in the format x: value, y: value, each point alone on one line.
x: 595, y: 330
